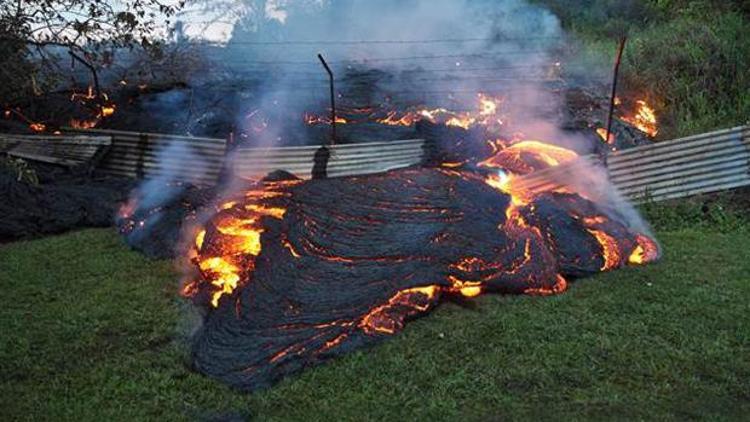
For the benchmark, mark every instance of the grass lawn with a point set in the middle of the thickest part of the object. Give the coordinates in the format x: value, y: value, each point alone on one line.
x: 91, y: 331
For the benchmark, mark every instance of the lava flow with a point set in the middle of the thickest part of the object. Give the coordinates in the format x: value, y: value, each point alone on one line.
x: 294, y: 272
x: 487, y: 113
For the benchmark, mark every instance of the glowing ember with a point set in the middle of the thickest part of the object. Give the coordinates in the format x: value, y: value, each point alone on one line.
x: 83, y: 97
x: 392, y: 119
x: 108, y: 110
x: 487, y: 113
x: 199, y: 239
x: 83, y: 124
x: 104, y: 108
x: 602, y: 132
x: 312, y: 119
x: 38, y: 127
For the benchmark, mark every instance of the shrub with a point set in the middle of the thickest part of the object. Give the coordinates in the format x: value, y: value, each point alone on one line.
x: 695, y: 71
x: 21, y: 170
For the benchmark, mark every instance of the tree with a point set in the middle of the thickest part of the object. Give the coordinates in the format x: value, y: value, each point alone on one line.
x: 32, y: 31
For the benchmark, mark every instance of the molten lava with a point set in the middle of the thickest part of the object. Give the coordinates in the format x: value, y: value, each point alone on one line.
x: 527, y: 156
x: 488, y: 113
x: 295, y: 272
x: 38, y: 127
x: 312, y: 119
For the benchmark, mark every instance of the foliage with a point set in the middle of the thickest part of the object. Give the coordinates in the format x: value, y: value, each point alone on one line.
x: 687, y: 57
x: 28, y: 28
x: 90, y: 334
x: 725, y: 212
x: 21, y: 169
x: 694, y: 69
x: 81, y: 22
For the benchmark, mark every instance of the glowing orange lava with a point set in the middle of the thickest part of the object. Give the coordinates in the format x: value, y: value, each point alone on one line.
x: 602, y: 132
x: 312, y: 119
x: 38, y: 127
x: 610, y: 249
x: 527, y: 156
x: 380, y: 320
x: 644, y: 119
x: 646, y: 251
x: 240, y: 229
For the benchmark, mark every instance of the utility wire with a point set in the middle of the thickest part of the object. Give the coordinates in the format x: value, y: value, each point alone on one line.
x: 373, y: 42
x: 496, y: 55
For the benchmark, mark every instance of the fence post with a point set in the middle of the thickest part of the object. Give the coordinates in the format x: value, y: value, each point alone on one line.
x: 333, y: 99
x: 612, y: 97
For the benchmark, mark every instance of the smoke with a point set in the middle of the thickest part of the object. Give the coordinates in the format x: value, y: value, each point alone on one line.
x: 399, y: 53
x: 159, y: 196
x: 402, y: 53
x: 592, y: 182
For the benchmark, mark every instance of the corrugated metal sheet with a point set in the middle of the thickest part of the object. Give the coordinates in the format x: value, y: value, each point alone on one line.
x: 664, y: 170
x: 683, y: 167
x: 200, y: 160
x: 63, y: 150
x: 148, y: 155
x: 678, y: 168
x: 345, y: 160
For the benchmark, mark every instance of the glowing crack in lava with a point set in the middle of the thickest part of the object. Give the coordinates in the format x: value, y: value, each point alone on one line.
x: 292, y: 273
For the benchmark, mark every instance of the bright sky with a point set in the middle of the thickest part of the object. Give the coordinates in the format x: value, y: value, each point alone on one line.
x: 215, y: 22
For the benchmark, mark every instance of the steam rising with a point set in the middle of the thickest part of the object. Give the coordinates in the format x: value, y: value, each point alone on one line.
x: 147, y: 202
x: 387, y: 53
x: 395, y: 54
x: 436, y: 53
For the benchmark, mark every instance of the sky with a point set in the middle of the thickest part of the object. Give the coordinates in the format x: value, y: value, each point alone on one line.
x: 214, y: 20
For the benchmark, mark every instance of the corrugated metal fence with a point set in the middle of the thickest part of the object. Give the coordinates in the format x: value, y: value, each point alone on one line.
x: 147, y: 155
x: 678, y: 168
x: 65, y: 151
x: 135, y: 154
x: 682, y: 167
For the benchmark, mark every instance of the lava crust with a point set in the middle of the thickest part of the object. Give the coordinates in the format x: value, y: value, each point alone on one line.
x: 293, y: 273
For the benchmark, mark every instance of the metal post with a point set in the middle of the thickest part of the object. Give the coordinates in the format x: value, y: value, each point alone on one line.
x: 614, y: 91
x: 333, y: 100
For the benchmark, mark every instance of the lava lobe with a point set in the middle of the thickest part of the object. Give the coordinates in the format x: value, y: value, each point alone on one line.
x: 292, y: 273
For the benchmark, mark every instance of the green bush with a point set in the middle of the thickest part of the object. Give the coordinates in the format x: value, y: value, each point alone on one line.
x: 688, y: 58
x: 694, y: 69
x: 21, y: 170
x: 714, y: 212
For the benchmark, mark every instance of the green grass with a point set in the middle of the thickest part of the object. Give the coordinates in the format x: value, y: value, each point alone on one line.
x: 93, y: 331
